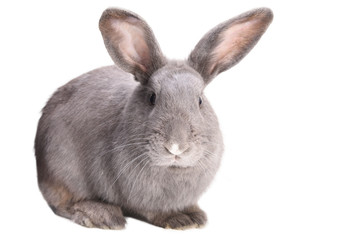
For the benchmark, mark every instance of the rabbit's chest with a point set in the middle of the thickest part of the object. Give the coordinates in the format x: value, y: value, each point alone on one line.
x: 169, y: 190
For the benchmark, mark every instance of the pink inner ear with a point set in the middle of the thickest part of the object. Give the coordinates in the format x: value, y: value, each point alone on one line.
x: 234, y: 40
x: 130, y: 40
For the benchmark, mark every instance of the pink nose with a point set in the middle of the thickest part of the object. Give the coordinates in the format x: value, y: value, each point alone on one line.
x: 175, y: 149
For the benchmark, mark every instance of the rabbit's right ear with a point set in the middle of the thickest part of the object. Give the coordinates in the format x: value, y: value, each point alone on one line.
x: 226, y: 44
x: 131, y: 43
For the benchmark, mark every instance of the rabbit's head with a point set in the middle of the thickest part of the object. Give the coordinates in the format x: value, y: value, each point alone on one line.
x: 167, y: 114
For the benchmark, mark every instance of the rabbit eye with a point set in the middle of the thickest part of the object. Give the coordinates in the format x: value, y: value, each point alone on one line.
x: 152, y: 99
x: 200, y: 100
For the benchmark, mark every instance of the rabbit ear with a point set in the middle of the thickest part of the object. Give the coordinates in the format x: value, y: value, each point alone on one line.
x: 226, y: 44
x: 131, y: 43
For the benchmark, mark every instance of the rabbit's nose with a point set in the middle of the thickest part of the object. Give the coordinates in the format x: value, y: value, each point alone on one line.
x: 175, y: 149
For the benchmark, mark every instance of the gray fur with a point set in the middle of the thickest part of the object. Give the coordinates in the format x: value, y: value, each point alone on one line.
x: 102, y: 147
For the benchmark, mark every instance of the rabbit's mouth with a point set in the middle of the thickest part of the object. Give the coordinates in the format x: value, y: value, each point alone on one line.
x: 177, y: 164
x: 183, y: 160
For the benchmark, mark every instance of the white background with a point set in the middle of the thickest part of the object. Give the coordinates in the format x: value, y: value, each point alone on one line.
x: 290, y: 115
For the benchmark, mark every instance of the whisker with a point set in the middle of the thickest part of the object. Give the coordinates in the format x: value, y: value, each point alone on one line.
x: 209, y: 164
x: 139, y: 144
x: 136, y: 178
x: 130, y: 144
x: 125, y: 168
x: 210, y: 153
x: 133, y: 170
x: 201, y: 165
x: 132, y: 138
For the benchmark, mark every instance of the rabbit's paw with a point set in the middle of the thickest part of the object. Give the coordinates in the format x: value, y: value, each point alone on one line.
x: 192, y: 217
x: 99, y: 215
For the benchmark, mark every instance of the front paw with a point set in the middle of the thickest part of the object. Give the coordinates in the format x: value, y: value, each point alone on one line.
x: 192, y: 217
x: 96, y: 214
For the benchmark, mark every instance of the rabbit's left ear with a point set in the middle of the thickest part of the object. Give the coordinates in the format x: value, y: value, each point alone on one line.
x: 226, y: 44
x: 131, y: 43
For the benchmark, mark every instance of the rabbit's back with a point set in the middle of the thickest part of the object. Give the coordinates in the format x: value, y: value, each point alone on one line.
x: 76, y: 128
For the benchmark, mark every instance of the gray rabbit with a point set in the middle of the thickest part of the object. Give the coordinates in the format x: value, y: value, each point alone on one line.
x: 139, y: 139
